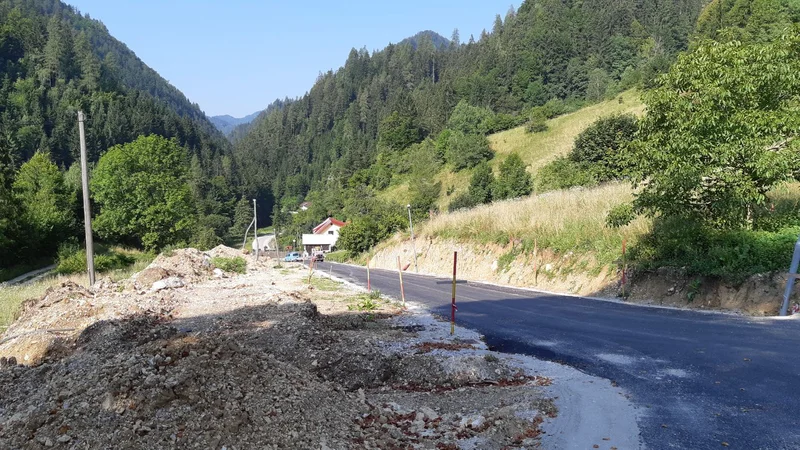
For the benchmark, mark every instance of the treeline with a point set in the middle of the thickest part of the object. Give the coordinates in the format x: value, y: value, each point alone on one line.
x: 54, y: 62
x: 357, y: 125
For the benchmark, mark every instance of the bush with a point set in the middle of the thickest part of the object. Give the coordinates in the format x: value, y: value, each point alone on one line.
x: 537, y: 122
x: 72, y: 259
x: 702, y: 251
x: 465, y: 151
x: 235, y: 265
x: 599, y: 145
x: 620, y: 215
x: 340, y: 256
x: 205, y: 239
x: 563, y: 173
x: 462, y: 201
x: 514, y: 180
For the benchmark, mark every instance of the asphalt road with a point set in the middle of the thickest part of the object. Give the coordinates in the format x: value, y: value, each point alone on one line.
x: 701, y: 380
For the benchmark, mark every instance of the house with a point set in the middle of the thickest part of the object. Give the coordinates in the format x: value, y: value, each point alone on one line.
x: 323, y: 237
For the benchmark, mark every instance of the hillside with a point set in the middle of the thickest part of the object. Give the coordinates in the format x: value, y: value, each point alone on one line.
x: 226, y: 124
x: 54, y: 62
x: 377, y: 105
x: 535, y: 149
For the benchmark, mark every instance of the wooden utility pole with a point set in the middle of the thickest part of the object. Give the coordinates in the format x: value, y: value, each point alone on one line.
x: 87, y: 210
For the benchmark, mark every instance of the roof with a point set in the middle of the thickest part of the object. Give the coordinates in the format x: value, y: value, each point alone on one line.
x: 328, y: 222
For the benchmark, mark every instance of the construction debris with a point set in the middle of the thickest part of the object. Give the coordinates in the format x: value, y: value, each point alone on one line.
x: 177, y: 357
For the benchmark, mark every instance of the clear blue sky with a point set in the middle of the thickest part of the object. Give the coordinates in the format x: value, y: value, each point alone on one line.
x: 237, y: 56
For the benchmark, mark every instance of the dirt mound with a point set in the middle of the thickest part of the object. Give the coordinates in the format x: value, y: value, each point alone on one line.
x: 253, y: 361
x: 224, y: 251
x: 189, y: 264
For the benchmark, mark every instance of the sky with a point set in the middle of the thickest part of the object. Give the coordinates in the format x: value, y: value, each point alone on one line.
x: 237, y: 56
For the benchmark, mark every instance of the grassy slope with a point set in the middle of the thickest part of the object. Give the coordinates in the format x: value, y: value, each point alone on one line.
x: 535, y: 149
x: 540, y: 148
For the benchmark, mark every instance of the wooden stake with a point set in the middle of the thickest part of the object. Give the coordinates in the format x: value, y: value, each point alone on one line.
x: 453, y: 307
x: 369, y: 287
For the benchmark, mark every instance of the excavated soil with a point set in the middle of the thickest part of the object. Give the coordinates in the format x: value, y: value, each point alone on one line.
x: 260, y: 360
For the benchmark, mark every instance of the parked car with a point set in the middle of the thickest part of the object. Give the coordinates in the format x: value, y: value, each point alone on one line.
x: 319, y: 256
x: 293, y: 257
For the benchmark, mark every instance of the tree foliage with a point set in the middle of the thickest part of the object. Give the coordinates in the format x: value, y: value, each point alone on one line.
x: 599, y: 145
x: 142, y: 191
x: 720, y: 132
x: 513, y: 181
x: 45, y: 203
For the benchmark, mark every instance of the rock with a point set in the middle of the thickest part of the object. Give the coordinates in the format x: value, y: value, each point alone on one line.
x: 219, y: 273
x: 64, y: 439
x: 473, y: 422
x: 12, y: 361
x: 168, y: 283
x: 430, y: 414
x: 150, y: 275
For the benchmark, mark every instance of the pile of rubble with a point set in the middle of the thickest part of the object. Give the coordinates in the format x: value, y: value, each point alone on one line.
x: 249, y: 361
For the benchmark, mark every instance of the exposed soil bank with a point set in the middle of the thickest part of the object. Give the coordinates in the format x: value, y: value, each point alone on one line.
x: 579, y: 274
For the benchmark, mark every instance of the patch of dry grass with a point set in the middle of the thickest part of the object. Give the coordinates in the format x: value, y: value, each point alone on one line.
x: 12, y: 297
x: 561, y: 221
x: 537, y: 149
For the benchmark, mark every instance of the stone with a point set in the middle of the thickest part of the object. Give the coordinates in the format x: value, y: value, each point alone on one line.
x: 150, y: 275
x: 167, y: 283
x: 64, y: 439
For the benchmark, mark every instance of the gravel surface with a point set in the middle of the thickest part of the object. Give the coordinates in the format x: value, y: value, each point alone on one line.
x: 183, y: 356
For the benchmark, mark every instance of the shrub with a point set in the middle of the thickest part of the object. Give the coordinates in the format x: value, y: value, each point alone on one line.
x: 339, y: 256
x: 205, y: 239
x: 514, y: 180
x: 462, y: 201
x: 620, y: 215
x: 480, y: 185
x: 235, y: 265
x: 599, y: 145
x: 465, y: 151
x: 563, y: 173
x: 73, y: 260
x: 703, y: 251
x: 537, y: 122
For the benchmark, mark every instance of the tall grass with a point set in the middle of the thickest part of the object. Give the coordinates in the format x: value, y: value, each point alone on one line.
x: 538, y: 149
x: 561, y: 221
x: 12, y: 297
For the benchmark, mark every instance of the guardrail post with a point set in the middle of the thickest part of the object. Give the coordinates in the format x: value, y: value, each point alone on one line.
x: 792, y: 275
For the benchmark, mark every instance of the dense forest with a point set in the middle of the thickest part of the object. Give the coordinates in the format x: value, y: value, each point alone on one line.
x: 55, y: 61
x: 361, y: 120
x: 163, y: 175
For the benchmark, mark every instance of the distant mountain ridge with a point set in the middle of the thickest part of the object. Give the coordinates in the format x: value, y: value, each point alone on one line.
x: 439, y: 42
x: 227, y: 123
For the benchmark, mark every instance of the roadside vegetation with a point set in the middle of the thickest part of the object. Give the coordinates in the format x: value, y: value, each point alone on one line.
x: 234, y: 265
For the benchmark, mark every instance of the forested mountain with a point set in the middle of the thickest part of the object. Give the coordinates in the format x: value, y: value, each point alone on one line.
x: 226, y: 123
x: 361, y: 117
x: 439, y: 42
x: 55, y: 61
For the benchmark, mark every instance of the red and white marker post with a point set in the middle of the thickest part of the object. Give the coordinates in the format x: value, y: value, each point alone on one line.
x: 453, y: 308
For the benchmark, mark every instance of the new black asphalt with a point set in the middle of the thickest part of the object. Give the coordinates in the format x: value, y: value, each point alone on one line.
x: 700, y: 380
